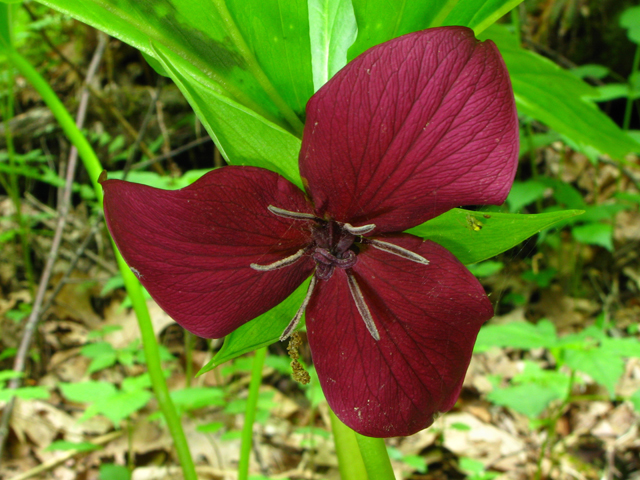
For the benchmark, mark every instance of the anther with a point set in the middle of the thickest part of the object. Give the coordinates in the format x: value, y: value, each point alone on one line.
x: 358, y: 230
x: 285, y: 262
x: 396, y: 250
x: 287, y: 214
x: 296, y: 319
x: 361, y: 305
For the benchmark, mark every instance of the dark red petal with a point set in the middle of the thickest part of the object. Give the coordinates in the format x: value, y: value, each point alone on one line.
x: 192, y: 248
x: 410, y: 129
x: 428, y: 317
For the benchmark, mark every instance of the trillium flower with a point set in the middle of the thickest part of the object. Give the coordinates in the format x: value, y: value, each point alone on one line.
x: 406, y: 131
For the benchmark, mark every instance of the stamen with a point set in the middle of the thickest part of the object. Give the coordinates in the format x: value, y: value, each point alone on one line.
x: 356, y: 293
x: 285, y: 262
x: 287, y: 214
x: 396, y: 250
x: 296, y: 319
x: 358, y: 230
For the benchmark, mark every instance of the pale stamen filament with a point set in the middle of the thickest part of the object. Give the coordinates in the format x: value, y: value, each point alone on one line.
x: 296, y: 319
x: 287, y: 214
x: 361, y: 305
x: 396, y: 250
x: 285, y: 262
x: 358, y: 230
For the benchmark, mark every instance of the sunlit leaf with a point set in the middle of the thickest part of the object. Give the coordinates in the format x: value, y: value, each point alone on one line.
x: 332, y: 28
x: 476, y: 236
x: 243, y: 137
x: 261, y: 331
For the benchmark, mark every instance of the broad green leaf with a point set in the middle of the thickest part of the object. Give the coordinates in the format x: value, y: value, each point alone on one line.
x: 87, y: 392
x: 592, y: 70
x: 381, y: 20
x: 192, y: 398
x: 524, y: 193
x: 256, y: 50
x: 476, y: 236
x: 521, y: 335
x: 602, y: 365
x: 630, y: 19
x: 600, y: 234
x: 529, y: 399
x: 119, y: 406
x: 114, y: 472
x: 332, y: 29
x: 557, y: 98
x: 25, y: 393
x: 5, y: 26
x: 243, y: 137
x: 261, y: 331
x: 532, y: 390
x: 479, y: 14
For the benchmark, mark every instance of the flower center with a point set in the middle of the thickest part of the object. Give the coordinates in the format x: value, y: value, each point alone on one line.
x: 334, y: 245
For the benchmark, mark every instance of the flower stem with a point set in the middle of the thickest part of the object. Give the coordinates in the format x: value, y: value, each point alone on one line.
x: 630, y: 100
x: 376, y: 458
x: 250, y: 413
x: 93, y: 167
x: 350, y: 461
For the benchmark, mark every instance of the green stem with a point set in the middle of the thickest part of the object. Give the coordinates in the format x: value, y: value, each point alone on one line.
x: 376, y: 458
x: 14, y: 192
x: 350, y: 461
x: 150, y: 345
x: 255, y: 69
x: 250, y: 413
x: 515, y: 21
x: 629, y: 107
x: 154, y: 366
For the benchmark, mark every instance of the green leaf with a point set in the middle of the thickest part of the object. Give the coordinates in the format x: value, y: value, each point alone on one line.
x: 603, y: 366
x: 114, y: 472
x: 212, y: 427
x: 557, y: 98
x: 119, y: 406
x: 591, y: 70
x: 485, y: 269
x: 243, y: 137
x: 87, y: 392
x: 381, y: 20
x: 257, y: 51
x: 479, y: 14
x: 533, y: 391
x: 630, y: 19
x: 524, y: 193
x: 529, y: 399
x: 192, y: 398
x: 474, y: 236
x: 25, y: 393
x: 521, y: 335
x: 261, y: 331
x: 333, y: 29
x: 600, y: 234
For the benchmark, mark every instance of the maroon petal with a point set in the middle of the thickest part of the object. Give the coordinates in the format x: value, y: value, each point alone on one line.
x: 192, y: 248
x: 427, y: 316
x: 410, y: 129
